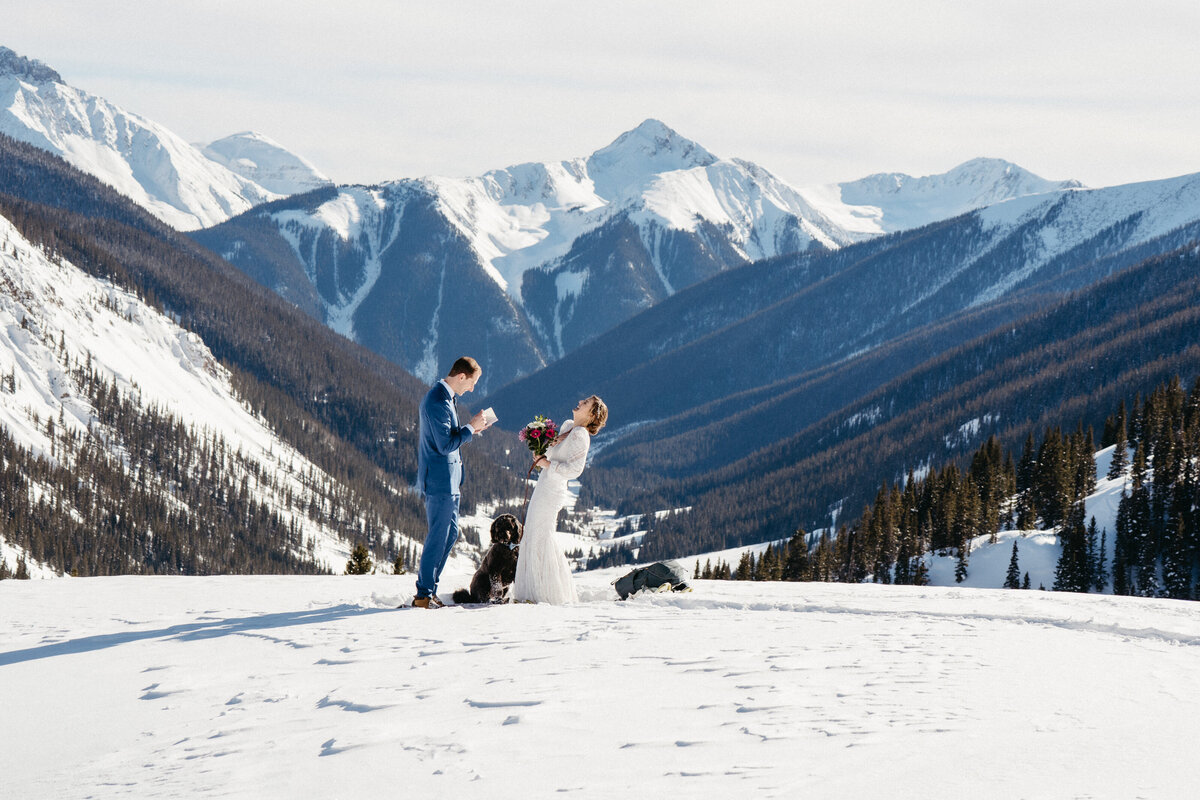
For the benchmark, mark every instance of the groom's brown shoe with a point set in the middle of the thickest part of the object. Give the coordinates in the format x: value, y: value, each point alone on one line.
x: 422, y: 602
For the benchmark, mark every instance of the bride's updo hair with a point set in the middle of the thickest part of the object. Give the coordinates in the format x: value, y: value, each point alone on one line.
x: 599, y: 415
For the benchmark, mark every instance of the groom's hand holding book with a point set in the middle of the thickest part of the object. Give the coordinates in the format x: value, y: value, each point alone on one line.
x: 483, y: 420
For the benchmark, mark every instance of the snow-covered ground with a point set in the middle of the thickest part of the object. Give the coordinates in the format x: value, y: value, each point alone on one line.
x: 321, y: 687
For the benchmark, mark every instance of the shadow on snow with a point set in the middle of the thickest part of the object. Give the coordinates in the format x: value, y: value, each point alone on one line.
x: 193, y: 631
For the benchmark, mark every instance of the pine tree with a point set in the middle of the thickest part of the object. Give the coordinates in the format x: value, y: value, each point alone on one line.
x: 1123, y: 550
x: 745, y: 568
x: 768, y: 565
x: 1177, y: 572
x: 1101, y: 561
x: 1027, y: 511
x: 823, y: 559
x: 960, y: 566
x: 796, y: 562
x: 360, y: 561
x: 1054, y: 478
x: 987, y: 473
x: 1084, y: 456
x: 1025, y: 582
x: 1120, y: 456
x: 1013, y: 579
x: 1143, y: 545
x: 903, y: 572
x: 1072, y: 574
x: 398, y: 565
x: 920, y: 573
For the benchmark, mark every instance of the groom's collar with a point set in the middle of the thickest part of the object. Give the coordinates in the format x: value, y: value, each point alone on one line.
x: 442, y: 381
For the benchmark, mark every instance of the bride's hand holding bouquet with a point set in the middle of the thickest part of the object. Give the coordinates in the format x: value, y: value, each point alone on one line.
x: 538, y: 436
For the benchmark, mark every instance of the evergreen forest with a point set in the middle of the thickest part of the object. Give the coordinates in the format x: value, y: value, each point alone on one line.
x: 1155, y: 547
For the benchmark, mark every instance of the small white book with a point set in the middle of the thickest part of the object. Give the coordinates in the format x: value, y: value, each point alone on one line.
x: 489, y: 416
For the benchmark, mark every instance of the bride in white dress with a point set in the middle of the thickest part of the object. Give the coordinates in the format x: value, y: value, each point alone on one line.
x: 543, y: 575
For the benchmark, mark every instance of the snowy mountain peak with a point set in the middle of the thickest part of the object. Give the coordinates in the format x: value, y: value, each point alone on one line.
x: 142, y: 160
x: 146, y: 162
x: 261, y: 159
x: 26, y: 69
x: 901, y: 201
x: 992, y: 171
x: 654, y: 137
x: 636, y: 156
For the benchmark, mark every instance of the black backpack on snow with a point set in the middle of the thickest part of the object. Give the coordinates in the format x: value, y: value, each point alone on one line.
x: 657, y: 577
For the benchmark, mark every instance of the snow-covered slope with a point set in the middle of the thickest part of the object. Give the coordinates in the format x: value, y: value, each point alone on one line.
x: 54, y: 319
x: 1038, y: 551
x: 262, y: 160
x: 139, y: 158
x: 353, y: 216
x: 1041, y: 237
x: 259, y: 687
x: 1119, y: 217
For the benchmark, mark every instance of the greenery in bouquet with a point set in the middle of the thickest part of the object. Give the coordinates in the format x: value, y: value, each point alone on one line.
x: 538, y: 435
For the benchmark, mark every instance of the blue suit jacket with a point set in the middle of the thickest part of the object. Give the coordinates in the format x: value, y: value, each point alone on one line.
x: 439, y: 464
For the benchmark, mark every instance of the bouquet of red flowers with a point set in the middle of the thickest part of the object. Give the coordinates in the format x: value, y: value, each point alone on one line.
x: 538, y: 435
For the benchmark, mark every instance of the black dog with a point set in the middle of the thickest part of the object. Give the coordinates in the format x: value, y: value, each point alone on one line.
x: 499, y: 568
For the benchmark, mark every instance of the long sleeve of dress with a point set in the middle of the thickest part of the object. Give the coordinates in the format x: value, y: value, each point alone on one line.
x: 568, y: 457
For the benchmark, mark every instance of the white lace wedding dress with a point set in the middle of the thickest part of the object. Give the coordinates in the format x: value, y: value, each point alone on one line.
x: 542, y: 572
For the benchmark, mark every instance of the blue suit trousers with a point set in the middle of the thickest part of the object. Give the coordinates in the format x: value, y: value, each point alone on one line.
x: 441, y: 511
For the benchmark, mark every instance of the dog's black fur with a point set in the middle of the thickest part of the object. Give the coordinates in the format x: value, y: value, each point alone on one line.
x: 499, y: 568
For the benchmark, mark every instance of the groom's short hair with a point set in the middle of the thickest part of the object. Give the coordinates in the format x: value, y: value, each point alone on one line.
x: 464, y: 366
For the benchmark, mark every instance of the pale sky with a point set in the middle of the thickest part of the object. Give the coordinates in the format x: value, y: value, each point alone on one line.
x: 374, y: 90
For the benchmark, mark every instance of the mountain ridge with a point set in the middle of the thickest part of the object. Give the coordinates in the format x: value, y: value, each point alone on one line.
x: 907, y: 202
x: 140, y: 158
x: 12, y: 63
x: 563, y: 250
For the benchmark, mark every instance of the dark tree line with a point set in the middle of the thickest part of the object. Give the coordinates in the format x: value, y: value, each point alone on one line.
x: 1157, y: 546
x: 803, y: 557
x: 1156, y: 549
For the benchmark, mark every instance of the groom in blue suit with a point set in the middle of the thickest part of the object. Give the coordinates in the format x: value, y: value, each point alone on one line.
x: 440, y: 472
